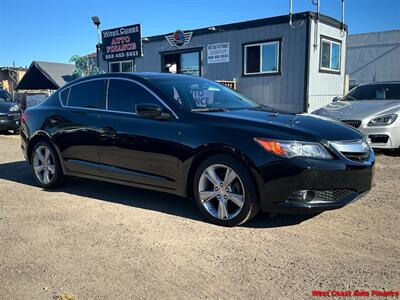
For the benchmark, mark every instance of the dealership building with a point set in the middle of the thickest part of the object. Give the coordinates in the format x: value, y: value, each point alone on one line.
x: 293, y: 62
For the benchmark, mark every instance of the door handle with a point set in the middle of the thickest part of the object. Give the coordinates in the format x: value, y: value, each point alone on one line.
x: 108, y: 132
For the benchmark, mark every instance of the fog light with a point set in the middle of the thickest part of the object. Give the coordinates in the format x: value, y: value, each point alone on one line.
x: 302, y: 196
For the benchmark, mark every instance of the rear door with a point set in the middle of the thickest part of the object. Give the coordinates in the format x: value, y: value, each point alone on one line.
x: 78, y: 127
x: 135, y: 149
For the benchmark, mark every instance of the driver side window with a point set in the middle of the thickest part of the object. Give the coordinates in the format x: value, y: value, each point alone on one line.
x: 123, y: 95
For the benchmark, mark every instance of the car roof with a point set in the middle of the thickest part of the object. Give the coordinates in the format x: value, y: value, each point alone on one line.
x: 132, y: 75
x: 380, y: 82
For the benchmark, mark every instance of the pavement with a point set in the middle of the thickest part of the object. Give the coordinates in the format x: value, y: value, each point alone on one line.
x: 99, y: 240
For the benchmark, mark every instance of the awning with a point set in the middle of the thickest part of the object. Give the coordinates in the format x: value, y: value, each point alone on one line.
x: 46, y: 76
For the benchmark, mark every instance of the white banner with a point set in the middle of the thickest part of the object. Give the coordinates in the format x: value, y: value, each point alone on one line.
x: 218, y: 53
x: 32, y: 100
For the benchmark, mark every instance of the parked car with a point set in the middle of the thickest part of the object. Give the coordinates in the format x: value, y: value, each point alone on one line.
x: 194, y: 137
x: 373, y: 108
x: 9, y: 112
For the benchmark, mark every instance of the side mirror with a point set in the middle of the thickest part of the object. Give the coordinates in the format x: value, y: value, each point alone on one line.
x: 335, y: 99
x: 151, y: 111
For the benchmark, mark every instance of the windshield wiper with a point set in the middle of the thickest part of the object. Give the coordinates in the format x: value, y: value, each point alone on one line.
x: 207, y: 109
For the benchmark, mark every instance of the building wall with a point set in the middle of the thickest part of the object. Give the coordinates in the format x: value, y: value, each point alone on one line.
x: 323, y: 87
x: 284, y: 91
x: 6, y: 82
x: 373, y: 56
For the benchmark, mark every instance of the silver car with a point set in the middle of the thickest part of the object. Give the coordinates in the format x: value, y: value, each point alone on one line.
x: 373, y: 108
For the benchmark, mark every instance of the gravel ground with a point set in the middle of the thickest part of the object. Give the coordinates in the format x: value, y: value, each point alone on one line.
x: 105, y: 241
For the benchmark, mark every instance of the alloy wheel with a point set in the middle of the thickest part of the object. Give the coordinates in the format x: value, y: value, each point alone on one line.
x: 221, y: 191
x: 44, y: 164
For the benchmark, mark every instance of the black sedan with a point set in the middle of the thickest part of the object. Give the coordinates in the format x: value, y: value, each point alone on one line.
x: 9, y: 112
x: 196, y: 138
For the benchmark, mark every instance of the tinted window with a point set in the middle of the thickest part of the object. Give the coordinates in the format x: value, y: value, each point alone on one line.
x: 4, y: 96
x: 253, y: 59
x: 90, y: 94
x: 262, y: 58
x: 326, y: 55
x: 269, y: 57
x: 199, y: 93
x: 123, y: 95
x: 190, y: 63
x: 374, y: 92
x: 64, y: 96
x: 330, y: 55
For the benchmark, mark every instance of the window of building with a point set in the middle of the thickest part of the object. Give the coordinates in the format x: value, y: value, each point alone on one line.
x: 262, y: 58
x: 123, y: 95
x: 330, y: 55
x: 121, y: 66
x: 188, y: 63
x: 89, y: 94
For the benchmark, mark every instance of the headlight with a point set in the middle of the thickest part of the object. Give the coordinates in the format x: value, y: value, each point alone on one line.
x: 291, y: 149
x: 383, y: 120
x: 14, y: 108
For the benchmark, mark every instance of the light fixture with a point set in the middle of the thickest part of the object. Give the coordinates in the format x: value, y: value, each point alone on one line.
x: 96, y: 20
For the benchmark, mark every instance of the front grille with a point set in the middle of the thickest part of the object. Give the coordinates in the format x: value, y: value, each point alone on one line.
x: 318, y: 196
x: 331, y: 195
x: 357, y: 156
x: 379, y: 138
x: 357, y: 150
x: 352, y: 123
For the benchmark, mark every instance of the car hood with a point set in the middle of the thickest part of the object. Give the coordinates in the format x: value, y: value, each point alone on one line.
x: 302, y: 127
x: 358, y: 110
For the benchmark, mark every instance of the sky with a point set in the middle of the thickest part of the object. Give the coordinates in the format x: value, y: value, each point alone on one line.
x: 55, y: 30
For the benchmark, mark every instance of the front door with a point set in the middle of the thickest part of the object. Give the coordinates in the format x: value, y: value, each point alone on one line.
x: 132, y: 148
x: 188, y: 62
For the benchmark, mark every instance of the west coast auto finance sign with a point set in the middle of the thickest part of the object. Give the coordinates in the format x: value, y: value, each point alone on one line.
x: 123, y: 43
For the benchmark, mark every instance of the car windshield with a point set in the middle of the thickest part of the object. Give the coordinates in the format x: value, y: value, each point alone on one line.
x: 202, y: 95
x: 4, y: 96
x: 374, y: 92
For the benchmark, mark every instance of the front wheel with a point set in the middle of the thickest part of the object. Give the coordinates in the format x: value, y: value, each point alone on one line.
x: 225, y: 192
x: 46, y: 166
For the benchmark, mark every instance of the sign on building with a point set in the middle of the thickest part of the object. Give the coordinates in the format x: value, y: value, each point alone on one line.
x: 123, y: 43
x: 179, y: 38
x: 218, y: 53
x: 228, y: 83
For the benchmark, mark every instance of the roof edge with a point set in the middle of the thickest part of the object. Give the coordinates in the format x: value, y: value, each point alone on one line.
x: 257, y: 23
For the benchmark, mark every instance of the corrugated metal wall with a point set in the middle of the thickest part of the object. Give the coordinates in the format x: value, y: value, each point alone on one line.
x: 322, y: 87
x: 285, y: 91
x: 373, y: 56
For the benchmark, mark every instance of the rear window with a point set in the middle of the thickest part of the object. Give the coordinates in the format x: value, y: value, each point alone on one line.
x: 374, y: 92
x: 64, y: 96
x: 89, y: 94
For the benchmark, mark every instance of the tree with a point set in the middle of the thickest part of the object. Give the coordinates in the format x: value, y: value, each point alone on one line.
x: 83, y: 66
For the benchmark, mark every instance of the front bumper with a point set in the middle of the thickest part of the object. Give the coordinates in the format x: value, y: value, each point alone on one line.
x: 382, y: 137
x: 278, y: 181
x: 9, y: 121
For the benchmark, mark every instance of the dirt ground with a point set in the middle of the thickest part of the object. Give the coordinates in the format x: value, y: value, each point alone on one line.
x: 104, y: 241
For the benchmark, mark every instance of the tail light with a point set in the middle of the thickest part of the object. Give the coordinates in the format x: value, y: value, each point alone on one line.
x: 24, y: 117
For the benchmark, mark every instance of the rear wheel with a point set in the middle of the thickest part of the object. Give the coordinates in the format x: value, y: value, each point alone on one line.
x: 46, y: 165
x: 225, y: 192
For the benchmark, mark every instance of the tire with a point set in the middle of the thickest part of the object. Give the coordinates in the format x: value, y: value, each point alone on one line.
x: 221, y: 206
x: 55, y: 177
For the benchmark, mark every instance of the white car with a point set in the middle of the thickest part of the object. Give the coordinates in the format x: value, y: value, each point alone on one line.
x: 373, y: 108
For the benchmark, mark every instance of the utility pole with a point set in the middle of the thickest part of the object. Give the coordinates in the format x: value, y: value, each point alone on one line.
x: 96, y: 22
